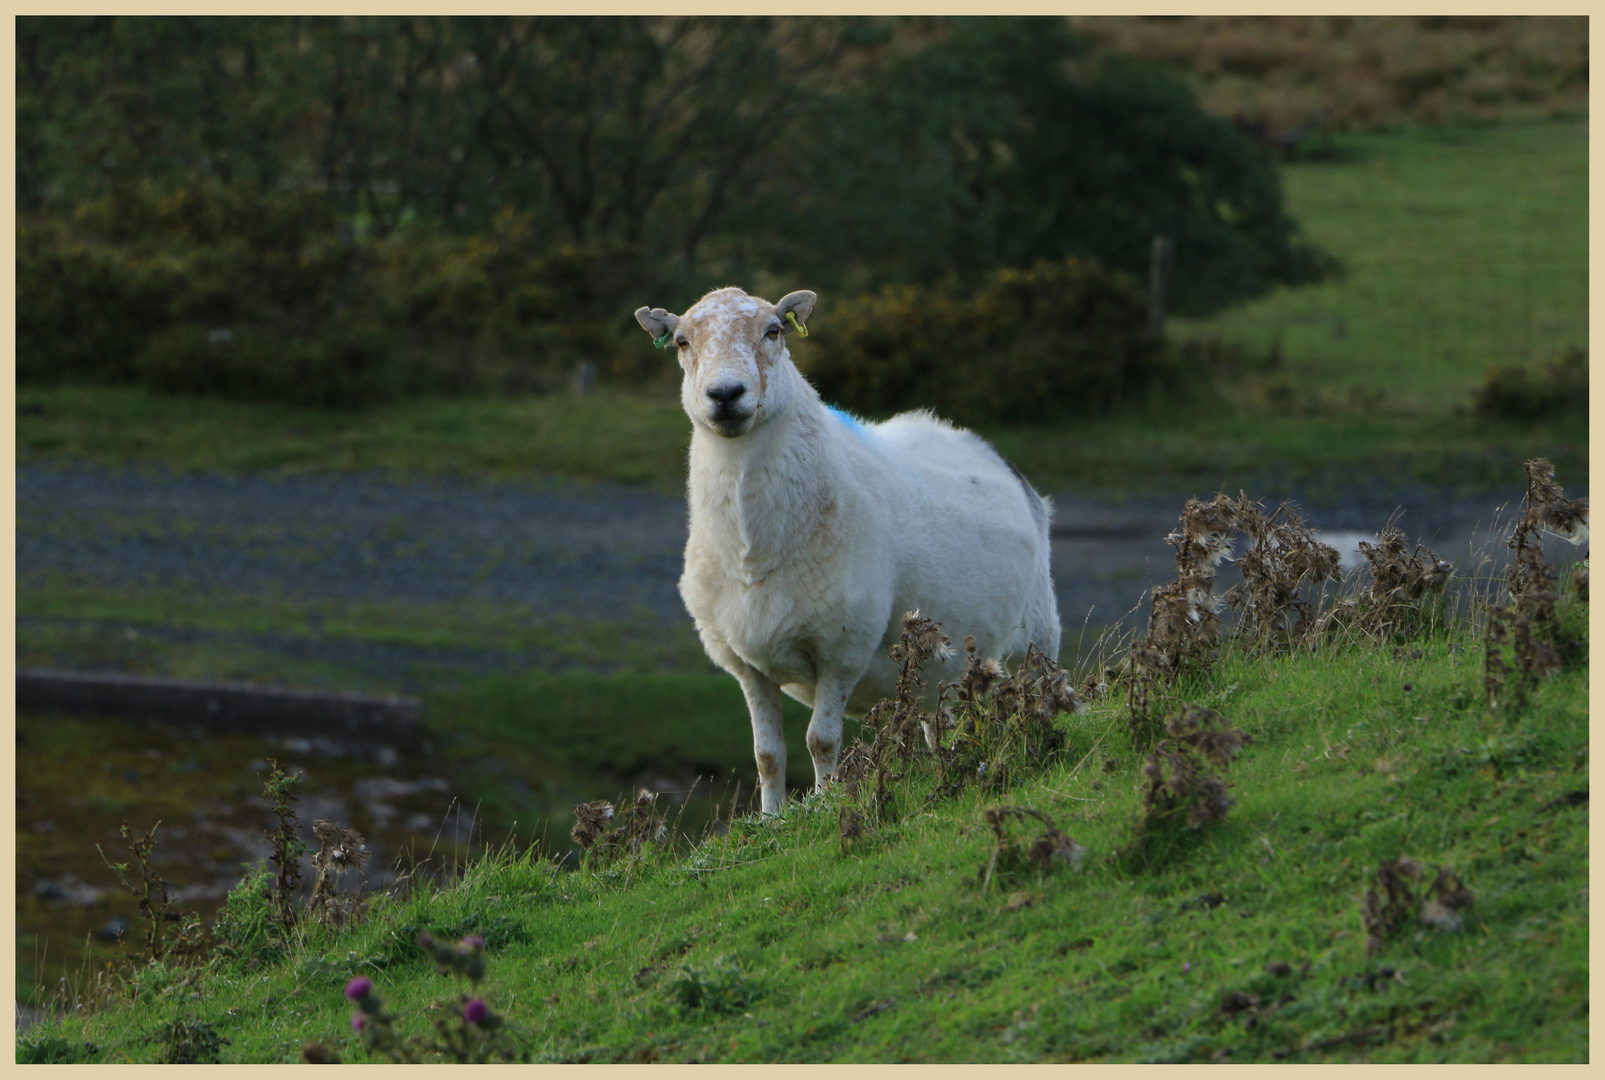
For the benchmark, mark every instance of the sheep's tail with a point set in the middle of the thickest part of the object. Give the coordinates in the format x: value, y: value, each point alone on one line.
x: 1041, y: 505
x: 1042, y: 607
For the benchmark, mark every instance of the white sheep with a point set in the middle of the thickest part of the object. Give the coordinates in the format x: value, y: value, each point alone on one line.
x: 812, y: 533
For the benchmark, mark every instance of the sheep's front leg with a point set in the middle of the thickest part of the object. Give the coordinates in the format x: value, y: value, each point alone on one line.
x: 768, y: 741
x: 825, y: 727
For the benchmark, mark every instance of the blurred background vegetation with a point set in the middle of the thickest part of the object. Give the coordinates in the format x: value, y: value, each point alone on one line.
x: 346, y: 211
x: 342, y: 211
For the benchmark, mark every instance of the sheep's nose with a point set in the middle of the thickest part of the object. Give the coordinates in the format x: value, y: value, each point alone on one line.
x: 725, y: 393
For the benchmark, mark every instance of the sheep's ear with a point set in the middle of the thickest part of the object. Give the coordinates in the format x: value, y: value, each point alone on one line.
x: 799, y: 303
x: 657, y: 322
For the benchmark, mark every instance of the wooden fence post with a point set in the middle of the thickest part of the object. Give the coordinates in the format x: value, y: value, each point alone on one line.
x: 1158, y: 284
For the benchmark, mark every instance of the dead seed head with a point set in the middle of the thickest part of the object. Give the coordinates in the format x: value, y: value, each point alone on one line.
x: 1179, y: 771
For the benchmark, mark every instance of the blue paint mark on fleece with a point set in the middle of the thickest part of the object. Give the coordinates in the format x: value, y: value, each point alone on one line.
x: 851, y: 421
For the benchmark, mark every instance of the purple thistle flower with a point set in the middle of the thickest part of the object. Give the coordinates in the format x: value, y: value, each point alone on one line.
x: 475, y: 1011
x: 1186, y: 967
x: 359, y: 988
x: 359, y: 1021
x: 473, y: 942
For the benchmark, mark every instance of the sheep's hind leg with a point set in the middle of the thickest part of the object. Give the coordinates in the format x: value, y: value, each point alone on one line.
x: 825, y: 727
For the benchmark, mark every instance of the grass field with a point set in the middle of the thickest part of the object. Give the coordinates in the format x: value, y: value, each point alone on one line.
x: 1465, y: 247
x: 1240, y: 942
x: 1170, y: 449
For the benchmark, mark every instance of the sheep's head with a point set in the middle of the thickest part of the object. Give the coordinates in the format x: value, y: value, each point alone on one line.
x: 728, y: 344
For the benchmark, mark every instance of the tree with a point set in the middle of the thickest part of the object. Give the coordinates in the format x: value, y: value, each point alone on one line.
x: 996, y: 145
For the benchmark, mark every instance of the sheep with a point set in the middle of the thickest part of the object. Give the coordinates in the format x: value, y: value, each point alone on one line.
x: 812, y: 532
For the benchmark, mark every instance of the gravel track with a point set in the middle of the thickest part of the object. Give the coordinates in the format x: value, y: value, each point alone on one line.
x: 353, y: 538
x: 588, y: 553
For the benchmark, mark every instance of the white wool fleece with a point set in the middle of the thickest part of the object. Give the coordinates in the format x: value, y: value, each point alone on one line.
x: 813, y: 533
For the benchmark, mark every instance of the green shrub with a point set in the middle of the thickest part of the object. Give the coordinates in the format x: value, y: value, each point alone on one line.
x: 54, y: 1050
x: 723, y: 987
x: 265, y: 296
x: 186, y: 1042
x: 245, y: 930
x: 1515, y: 393
x: 1058, y: 338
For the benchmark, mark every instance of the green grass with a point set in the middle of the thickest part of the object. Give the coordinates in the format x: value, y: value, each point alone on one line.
x: 1181, y: 451
x: 611, y: 437
x: 591, y: 734
x: 73, y: 614
x: 895, y: 951
x: 1193, y: 447
x: 1466, y: 247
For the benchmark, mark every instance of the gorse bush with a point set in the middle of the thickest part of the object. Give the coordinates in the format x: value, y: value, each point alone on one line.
x: 1055, y: 339
x: 1558, y: 388
x: 267, y: 297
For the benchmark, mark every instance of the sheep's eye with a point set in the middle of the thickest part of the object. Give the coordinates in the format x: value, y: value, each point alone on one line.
x: 773, y: 332
x: 683, y: 343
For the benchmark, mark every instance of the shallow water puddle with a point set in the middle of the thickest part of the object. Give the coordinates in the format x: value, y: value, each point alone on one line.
x: 79, y: 779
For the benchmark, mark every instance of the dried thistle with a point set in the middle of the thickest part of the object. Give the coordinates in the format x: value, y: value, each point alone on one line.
x: 1548, y: 507
x: 1448, y: 898
x: 1047, y: 849
x: 639, y: 824
x: 591, y: 821
x: 1145, y: 670
x: 604, y: 832
x: 1184, y: 624
x: 887, y: 732
x: 1206, y: 731
x: 1284, y: 557
x: 1002, y: 719
x: 1530, y: 626
x: 1400, y: 580
x: 1391, y: 901
x: 851, y: 827
x: 1178, y: 772
x: 979, y: 675
x: 340, y: 849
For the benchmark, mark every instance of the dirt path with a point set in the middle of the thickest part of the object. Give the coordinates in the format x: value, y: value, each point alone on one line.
x: 590, y: 553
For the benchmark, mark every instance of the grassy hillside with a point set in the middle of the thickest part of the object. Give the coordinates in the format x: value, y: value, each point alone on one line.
x: 1465, y: 248
x: 784, y: 941
x: 1364, y: 71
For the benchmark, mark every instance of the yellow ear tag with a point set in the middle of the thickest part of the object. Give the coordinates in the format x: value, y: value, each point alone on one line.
x: 791, y: 317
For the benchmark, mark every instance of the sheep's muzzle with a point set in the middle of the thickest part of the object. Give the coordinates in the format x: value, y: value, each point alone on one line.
x: 729, y: 409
